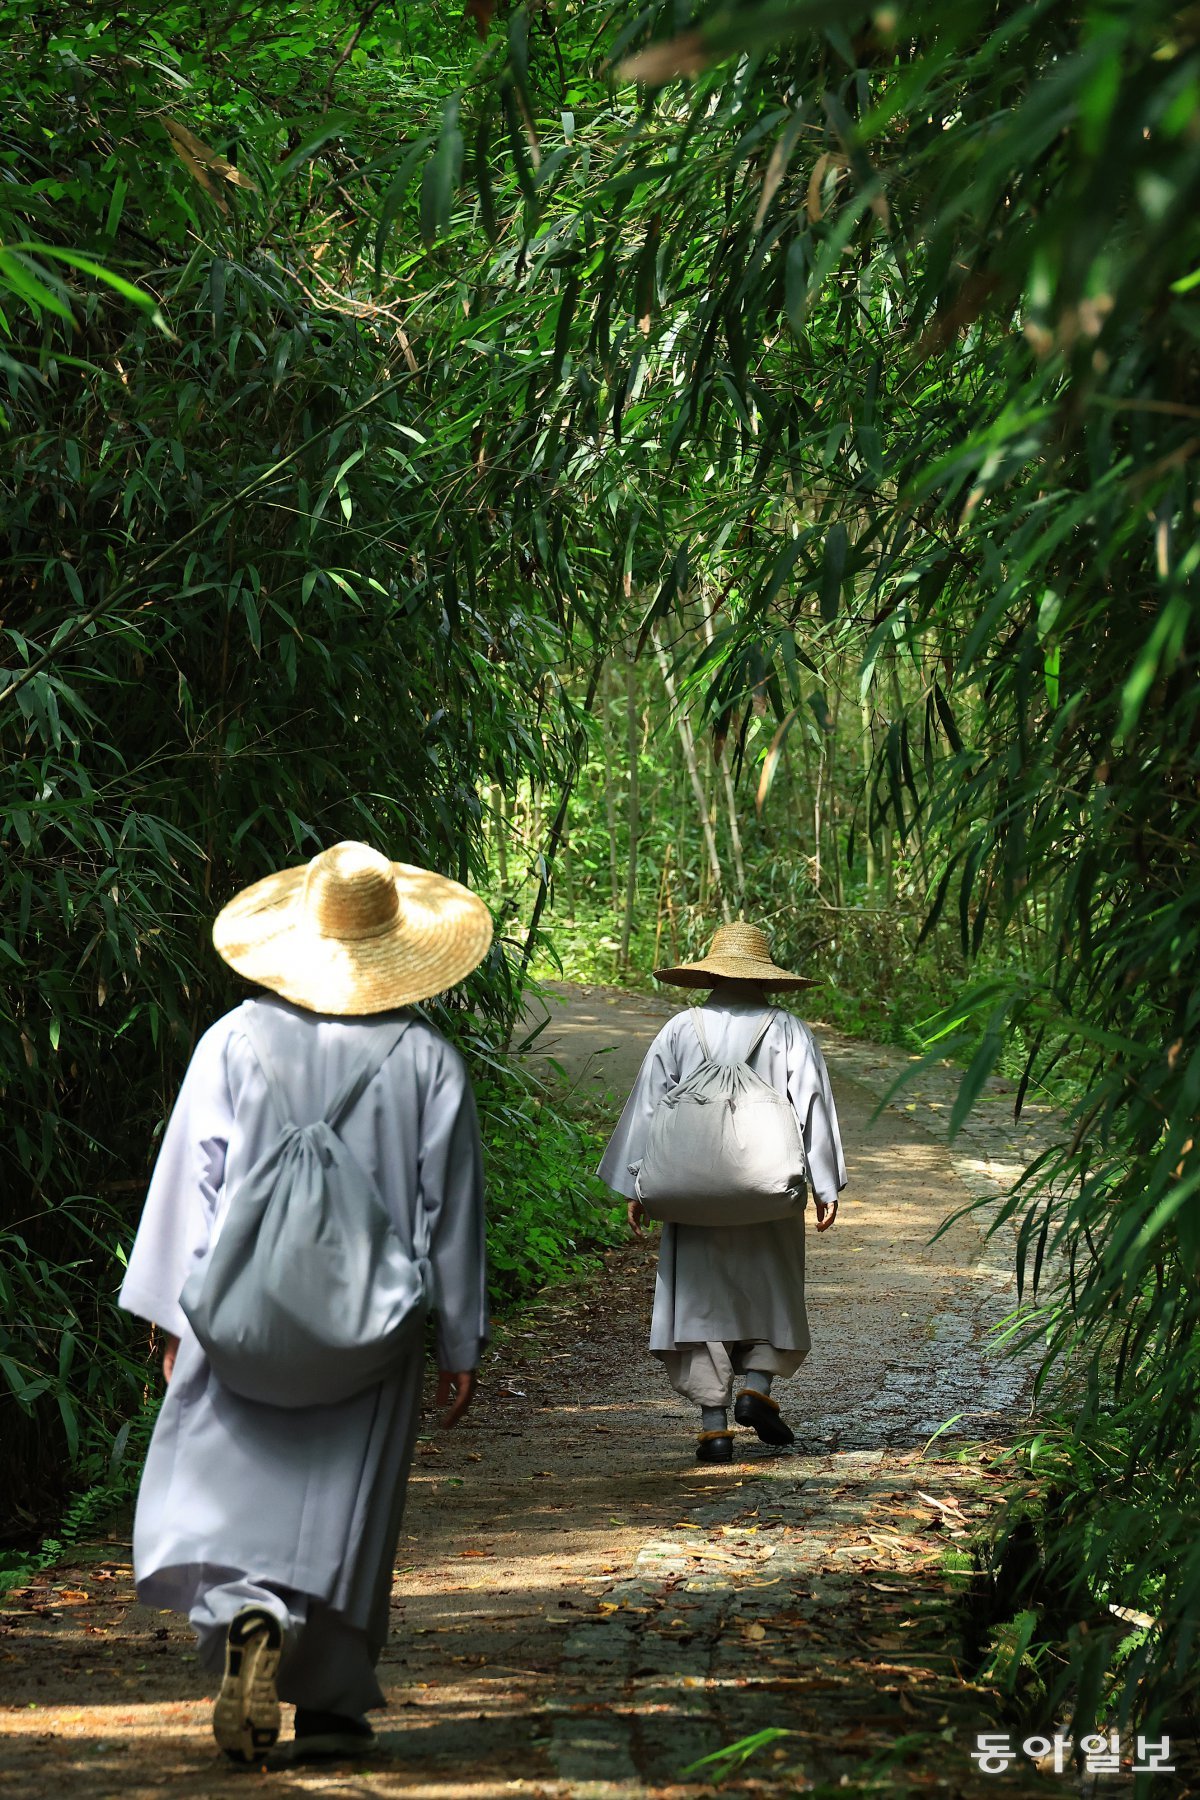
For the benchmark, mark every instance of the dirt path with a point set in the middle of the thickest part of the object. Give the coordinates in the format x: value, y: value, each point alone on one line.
x: 581, y: 1611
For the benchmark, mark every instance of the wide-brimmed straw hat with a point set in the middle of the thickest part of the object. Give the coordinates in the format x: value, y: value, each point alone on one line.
x: 351, y: 932
x: 737, y: 953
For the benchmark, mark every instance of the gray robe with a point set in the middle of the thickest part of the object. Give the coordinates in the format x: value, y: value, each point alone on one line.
x: 308, y: 1499
x: 717, y: 1284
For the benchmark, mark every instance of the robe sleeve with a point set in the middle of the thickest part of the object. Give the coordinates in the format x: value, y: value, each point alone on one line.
x: 812, y: 1096
x: 184, y: 1191
x: 658, y: 1074
x: 450, y: 1178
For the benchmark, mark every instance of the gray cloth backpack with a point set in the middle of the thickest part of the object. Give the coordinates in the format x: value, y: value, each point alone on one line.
x: 724, y: 1147
x: 308, y: 1296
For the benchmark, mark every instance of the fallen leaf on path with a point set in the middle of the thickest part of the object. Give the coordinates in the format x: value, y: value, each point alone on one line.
x: 945, y: 1505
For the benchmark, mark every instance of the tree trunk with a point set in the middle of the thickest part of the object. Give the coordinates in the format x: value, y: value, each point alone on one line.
x: 868, y: 746
x: 610, y: 809
x: 839, y: 894
x: 661, y: 907
x: 633, y: 751
x: 687, y: 744
x: 500, y: 834
x: 554, y: 840
x: 735, y: 836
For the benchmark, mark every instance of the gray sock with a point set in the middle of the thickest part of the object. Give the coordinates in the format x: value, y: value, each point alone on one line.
x: 713, y: 1418
x: 758, y: 1379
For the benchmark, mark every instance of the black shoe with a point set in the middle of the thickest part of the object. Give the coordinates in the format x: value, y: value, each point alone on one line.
x: 762, y: 1413
x: 246, y: 1712
x: 327, y: 1736
x: 714, y: 1447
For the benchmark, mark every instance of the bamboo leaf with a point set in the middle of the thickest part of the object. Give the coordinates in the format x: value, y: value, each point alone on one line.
x: 978, y: 1070
x: 771, y: 760
x: 143, y: 301
x: 777, y: 167
x: 833, y: 569
x: 440, y: 176
x: 396, y: 193
x: 331, y: 128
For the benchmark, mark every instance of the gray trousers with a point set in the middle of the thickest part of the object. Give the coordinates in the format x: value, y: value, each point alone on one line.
x: 703, y: 1373
x: 326, y: 1663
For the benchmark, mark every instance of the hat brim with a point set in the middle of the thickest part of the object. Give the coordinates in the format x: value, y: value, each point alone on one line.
x: 706, y: 974
x: 442, y: 932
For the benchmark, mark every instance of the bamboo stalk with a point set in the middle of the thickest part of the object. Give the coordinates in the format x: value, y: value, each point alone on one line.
x: 632, y: 747
x: 735, y: 836
x: 554, y: 840
x: 500, y: 834
x: 834, y: 808
x: 688, y: 745
x: 867, y: 745
x: 662, y: 891
x: 610, y: 813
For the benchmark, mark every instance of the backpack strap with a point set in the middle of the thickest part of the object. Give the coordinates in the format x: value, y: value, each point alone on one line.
x: 352, y: 1089
x: 356, y: 1084
x: 759, y: 1035
x: 257, y: 1043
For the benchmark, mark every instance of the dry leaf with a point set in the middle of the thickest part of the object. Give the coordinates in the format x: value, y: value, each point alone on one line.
x: 823, y: 163
x: 199, y: 160
x: 684, y: 55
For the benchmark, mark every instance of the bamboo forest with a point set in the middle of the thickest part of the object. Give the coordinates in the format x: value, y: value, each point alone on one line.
x: 696, y: 475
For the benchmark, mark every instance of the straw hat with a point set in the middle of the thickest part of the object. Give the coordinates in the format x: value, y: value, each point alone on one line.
x: 351, y: 932
x: 738, y: 953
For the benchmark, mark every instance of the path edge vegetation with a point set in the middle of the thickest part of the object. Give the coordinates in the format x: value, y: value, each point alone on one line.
x: 842, y: 321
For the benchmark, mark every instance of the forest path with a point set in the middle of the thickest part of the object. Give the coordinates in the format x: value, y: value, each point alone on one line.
x: 580, y: 1611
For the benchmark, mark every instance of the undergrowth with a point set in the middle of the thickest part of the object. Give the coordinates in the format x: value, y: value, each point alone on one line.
x: 548, y: 1215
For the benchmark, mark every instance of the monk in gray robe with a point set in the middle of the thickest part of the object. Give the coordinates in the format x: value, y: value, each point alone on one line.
x: 729, y: 1306
x: 274, y: 1527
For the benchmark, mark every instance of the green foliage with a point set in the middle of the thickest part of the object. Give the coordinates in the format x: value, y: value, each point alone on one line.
x: 90, y: 1508
x: 871, y: 340
x: 233, y: 625
x: 924, y: 305
x: 1011, y: 1657
x: 547, y: 1214
x: 729, y: 1760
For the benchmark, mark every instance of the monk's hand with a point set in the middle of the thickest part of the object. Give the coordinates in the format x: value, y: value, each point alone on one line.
x: 635, y: 1212
x: 826, y: 1213
x: 455, y: 1392
x: 170, y: 1351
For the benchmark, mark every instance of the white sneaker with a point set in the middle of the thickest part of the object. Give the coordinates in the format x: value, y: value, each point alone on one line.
x: 246, y: 1713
